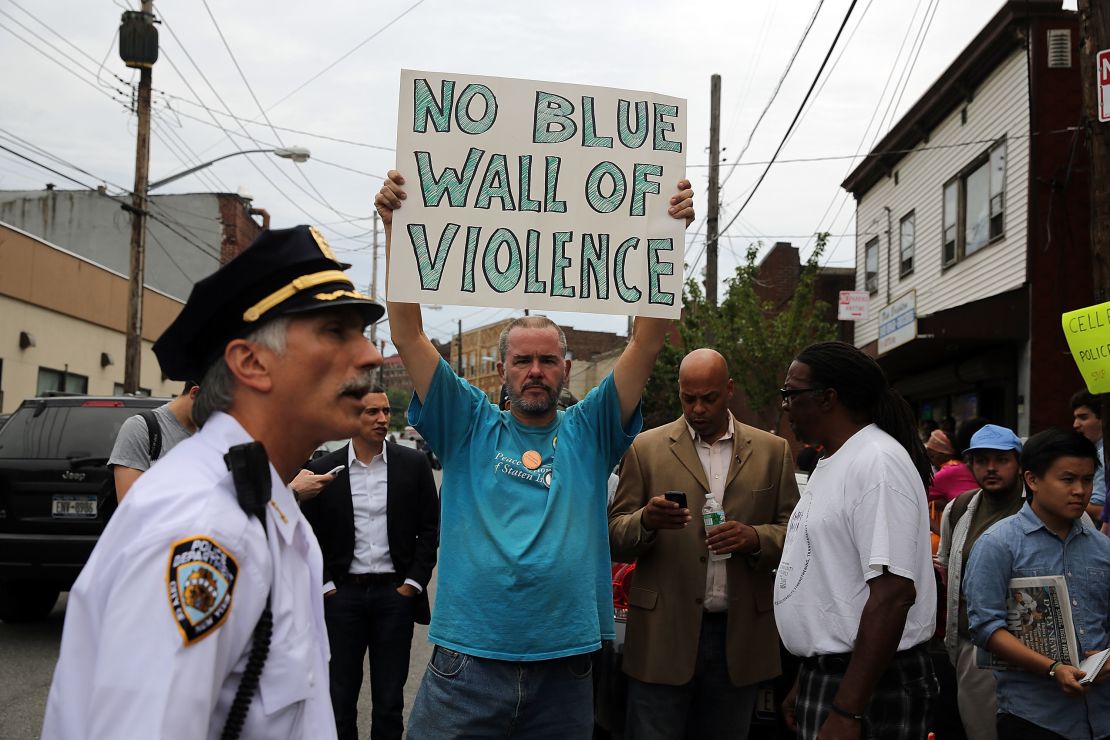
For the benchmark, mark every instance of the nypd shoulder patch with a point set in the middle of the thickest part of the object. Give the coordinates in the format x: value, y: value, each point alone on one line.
x: 200, y: 584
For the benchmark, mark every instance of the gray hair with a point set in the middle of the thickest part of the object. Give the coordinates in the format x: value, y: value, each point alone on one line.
x: 218, y: 385
x: 529, y: 322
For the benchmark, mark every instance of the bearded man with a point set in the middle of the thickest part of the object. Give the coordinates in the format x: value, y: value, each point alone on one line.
x: 525, y: 591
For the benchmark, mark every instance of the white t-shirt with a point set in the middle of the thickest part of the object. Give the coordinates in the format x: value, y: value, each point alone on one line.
x: 863, y: 508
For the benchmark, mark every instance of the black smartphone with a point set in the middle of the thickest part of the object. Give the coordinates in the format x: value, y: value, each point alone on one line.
x: 678, y: 497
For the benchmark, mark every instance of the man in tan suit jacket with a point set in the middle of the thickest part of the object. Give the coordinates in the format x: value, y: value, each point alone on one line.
x: 701, y: 633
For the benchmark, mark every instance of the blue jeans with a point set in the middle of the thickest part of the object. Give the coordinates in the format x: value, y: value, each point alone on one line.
x: 463, y: 696
x: 371, y: 620
x: 708, y: 706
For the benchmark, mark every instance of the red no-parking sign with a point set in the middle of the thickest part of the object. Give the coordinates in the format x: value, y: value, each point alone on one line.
x: 1103, y: 75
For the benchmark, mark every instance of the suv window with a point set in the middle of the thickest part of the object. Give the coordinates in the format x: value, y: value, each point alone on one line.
x: 54, y: 432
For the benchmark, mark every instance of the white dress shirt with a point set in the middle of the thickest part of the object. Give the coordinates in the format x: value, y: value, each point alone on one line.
x: 369, y: 496
x: 715, y: 460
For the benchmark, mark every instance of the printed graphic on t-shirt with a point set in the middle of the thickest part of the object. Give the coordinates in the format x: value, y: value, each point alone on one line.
x: 516, y: 468
x: 791, y: 573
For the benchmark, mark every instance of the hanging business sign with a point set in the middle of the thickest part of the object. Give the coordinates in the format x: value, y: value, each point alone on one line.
x: 898, y: 322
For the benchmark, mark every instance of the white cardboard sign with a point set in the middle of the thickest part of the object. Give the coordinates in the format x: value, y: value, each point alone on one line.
x: 543, y: 195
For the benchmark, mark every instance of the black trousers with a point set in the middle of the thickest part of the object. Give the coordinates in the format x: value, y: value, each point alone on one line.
x: 369, y: 620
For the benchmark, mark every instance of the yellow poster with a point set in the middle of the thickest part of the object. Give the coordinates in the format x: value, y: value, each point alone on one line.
x: 1088, y: 333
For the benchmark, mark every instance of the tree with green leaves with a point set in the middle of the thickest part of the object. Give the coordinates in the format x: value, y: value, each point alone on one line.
x: 757, y: 338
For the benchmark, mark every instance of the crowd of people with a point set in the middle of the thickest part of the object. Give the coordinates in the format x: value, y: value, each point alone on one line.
x: 238, y: 591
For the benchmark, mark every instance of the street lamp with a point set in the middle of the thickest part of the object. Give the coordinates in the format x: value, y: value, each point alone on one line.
x: 133, y: 347
x: 296, y: 153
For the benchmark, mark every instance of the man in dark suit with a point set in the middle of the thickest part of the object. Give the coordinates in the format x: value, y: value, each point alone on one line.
x: 378, y: 527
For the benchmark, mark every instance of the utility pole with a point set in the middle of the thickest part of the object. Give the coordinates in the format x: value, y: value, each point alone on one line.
x: 458, y: 359
x: 714, y: 195
x: 1094, y: 33
x: 374, y: 277
x: 136, y: 33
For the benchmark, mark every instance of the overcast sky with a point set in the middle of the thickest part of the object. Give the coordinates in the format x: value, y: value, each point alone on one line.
x: 330, y: 71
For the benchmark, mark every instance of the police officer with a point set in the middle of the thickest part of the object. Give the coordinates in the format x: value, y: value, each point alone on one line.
x: 160, y: 624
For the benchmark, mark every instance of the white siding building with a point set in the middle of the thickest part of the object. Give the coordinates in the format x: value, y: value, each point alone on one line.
x: 971, y: 219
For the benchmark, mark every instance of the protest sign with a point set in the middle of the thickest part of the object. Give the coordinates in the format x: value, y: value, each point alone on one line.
x: 1088, y: 333
x: 539, y: 195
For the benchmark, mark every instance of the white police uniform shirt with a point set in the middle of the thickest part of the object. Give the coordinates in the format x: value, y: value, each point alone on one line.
x: 158, y: 625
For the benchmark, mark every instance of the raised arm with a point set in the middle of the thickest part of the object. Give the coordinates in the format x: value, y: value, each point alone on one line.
x: 406, y: 326
x: 636, y: 362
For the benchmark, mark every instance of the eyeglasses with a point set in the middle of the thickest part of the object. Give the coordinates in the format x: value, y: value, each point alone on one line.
x: 789, y: 393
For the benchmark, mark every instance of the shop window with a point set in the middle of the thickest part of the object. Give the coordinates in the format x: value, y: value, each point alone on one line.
x: 975, y: 206
x: 61, y: 381
x: 871, y: 265
x: 905, y: 244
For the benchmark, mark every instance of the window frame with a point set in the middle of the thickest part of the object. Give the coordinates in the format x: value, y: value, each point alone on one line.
x: 871, y: 279
x: 995, y: 217
x: 903, y: 270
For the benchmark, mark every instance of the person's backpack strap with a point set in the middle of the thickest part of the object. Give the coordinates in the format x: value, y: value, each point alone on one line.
x: 959, y: 506
x: 154, y: 434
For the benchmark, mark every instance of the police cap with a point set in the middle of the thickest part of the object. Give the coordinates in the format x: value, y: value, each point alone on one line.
x: 282, y: 272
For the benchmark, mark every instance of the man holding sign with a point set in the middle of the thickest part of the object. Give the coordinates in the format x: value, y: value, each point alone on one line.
x: 524, y: 590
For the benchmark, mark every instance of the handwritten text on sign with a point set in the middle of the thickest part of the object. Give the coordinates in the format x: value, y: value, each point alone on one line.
x: 539, y: 195
x: 1088, y: 333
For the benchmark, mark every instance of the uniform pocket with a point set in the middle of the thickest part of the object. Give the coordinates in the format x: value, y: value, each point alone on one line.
x: 447, y: 663
x: 287, y: 677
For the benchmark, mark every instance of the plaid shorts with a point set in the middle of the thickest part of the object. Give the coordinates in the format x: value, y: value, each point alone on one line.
x: 898, y: 710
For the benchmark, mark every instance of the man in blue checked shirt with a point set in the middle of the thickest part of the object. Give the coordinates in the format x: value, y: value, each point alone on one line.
x: 1042, y: 697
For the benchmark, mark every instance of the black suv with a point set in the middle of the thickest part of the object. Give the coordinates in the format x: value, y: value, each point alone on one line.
x: 54, y: 501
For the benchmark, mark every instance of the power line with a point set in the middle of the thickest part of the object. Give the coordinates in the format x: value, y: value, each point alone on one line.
x: 775, y: 92
x: 326, y: 137
x: 242, y: 75
x: 358, y: 46
x: 100, y: 89
x: 840, y: 30
x: 281, y: 192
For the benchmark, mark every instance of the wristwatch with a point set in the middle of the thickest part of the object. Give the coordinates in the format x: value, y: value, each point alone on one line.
x: 1052, y: 669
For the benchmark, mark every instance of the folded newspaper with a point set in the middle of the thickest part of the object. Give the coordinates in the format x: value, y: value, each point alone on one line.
x: 1038, y: 612
x: 1092, y: 665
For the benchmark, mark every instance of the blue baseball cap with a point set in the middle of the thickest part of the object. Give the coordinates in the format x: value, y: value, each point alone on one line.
x: 994, y: 437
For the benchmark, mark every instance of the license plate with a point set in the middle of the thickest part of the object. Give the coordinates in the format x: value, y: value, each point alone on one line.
x: 74, y: 507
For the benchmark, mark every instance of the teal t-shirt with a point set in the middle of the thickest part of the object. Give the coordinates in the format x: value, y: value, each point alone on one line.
x: 524, y: 570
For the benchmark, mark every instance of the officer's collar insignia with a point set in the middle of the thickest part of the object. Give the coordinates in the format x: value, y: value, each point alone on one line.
x: 200, y: 584
x: 322, y: 243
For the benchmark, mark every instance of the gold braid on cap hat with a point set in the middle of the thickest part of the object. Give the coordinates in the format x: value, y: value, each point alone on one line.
x: 304, y: 282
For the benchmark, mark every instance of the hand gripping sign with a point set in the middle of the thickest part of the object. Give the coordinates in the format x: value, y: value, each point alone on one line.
x: 537, y: 195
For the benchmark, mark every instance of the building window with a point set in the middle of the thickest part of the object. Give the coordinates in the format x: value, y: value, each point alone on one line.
x: 61, y: 380
x: 905, y: 244
x: 871, y: 262
x: 975, y: 206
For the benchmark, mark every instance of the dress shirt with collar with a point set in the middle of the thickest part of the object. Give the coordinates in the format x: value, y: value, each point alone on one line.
x: 715, y: 459
x: 1020, y: 546
x: 369, y: 495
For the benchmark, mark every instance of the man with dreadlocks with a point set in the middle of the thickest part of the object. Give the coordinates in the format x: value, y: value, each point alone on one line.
x: 855, y: 596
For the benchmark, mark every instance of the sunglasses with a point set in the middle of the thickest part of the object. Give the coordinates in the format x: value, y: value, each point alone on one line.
x: 788, y: 393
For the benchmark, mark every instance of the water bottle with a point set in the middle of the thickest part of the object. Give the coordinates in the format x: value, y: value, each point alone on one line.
x: 713, y: 515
